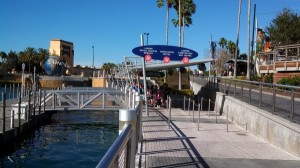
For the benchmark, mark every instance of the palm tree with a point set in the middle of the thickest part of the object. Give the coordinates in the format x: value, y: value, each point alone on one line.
x: 231, y: 48
x: 29, y: 55
x: 187, y: 8
x: 169, y: 4
x: 222, y: 43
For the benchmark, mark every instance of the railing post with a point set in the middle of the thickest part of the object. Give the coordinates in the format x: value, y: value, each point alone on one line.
x: 292, y: 105
x: 78, y: 99
x: 139, y: 102
x: 44, y: 101
x: 227, y: 119
x: 274, y: 98
x: 234, y: 89
x: 193, y: 110
x: 34, y: 102
x: 3, y: 114
x: 170, y: 111
x: 12, y: 122
x: 208, y: 107
x: 126, y: 117
x: 53, y: 100
x: 249, y: 93
x: 183, y: 103
x: 199, y: 104
x: 40, y: 101
x: 260, y: 95
x: 29, y: 107
x: 189, y: 105
x: 19, y: 109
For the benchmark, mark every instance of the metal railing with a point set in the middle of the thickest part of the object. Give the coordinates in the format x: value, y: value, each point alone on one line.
x: 281, y: 100
x: 123, y: 150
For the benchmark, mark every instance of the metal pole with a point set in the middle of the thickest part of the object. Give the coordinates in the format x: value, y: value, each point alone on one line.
x: 19, y: 109
x: 170, y: 100
x: 189, y: 105
x: 292, y: 105
x: 145, y: 81
x: 3, y: 114
x: 227, y: 119
x: 44, y: 101
x: 274, y: 98
x: 40, y: 103
x: 183, y: 103
x: 208, y: 107
x: 199, y: 115
x: 193, y: 109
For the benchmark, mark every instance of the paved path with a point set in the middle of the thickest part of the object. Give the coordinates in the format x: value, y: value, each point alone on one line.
x: 182, y: 145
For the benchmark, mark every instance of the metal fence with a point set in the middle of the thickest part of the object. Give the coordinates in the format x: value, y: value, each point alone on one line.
x: 281, y: 100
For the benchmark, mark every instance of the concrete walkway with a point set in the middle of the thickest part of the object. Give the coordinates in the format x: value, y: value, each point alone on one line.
x: 182, y: 145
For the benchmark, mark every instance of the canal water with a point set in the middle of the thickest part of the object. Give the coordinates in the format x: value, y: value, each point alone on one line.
x: 72, y: 139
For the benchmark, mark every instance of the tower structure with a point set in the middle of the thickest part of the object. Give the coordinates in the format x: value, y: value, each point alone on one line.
x: 64, y: 50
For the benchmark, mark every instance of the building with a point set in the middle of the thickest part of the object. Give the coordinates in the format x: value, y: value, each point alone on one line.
x: 282, y: 61
x: 64, y: 50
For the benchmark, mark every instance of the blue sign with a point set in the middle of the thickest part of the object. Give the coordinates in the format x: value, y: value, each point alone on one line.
x: 159, y: 52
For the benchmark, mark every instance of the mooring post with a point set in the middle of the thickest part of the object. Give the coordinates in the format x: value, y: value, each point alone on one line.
x: 128, y: 117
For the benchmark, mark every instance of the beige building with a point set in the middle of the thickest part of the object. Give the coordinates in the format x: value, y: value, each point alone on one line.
x: 62, y: 49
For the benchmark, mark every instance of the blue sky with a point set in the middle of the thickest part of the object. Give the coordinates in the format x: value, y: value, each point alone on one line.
x: 114, y: 26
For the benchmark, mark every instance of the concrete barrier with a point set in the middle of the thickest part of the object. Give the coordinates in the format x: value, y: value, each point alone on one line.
x: 273, y: 129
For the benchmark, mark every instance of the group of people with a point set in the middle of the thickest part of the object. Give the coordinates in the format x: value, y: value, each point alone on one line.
x: 157, y: 95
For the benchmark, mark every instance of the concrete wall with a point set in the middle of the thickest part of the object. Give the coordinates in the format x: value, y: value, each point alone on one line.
x: 99, y: 82
x: 273, y: 129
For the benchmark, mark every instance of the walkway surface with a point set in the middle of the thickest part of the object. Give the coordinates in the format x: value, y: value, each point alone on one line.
x: 183, y: 145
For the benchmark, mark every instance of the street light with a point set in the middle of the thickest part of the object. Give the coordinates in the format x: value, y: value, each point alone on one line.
x: 93, y: 61
x: 147, y: 34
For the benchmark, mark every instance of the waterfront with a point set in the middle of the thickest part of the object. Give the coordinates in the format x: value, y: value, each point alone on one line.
x: 72, y: 139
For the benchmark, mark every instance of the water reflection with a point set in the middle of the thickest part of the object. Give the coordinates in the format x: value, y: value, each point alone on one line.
x: 73, y: 139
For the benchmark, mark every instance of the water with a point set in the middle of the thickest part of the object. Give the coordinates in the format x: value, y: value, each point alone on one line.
x: 72, y: 139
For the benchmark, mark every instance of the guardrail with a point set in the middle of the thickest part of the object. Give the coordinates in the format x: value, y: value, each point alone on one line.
x: 281, y: 100
x: 123, y: 150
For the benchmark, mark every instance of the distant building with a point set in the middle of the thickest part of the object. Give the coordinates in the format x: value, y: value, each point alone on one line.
x: 64, y: 50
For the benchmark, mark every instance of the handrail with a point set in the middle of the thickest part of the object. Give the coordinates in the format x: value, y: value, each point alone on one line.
x: 111, y: 155
x: 263, y: 95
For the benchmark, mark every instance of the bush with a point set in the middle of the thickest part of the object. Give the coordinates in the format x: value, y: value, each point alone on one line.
x: 293, y: 81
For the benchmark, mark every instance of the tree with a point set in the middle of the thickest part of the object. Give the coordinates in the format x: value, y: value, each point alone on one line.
x: 12, y: 60
x: 231, y: 46
x: 202, y: 67
x: 28, y: 56
x: 108, y: 67
x: 187, y: 9
x: 222, y: 43
x: 284, y: 29
x: 243, y: 56
x: 169, y: 4
x: 3, y: 56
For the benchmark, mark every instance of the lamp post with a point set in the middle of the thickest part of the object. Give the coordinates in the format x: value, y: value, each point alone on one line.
x: 147, y: 34
x: 23, y: 80
x: 93, y: 61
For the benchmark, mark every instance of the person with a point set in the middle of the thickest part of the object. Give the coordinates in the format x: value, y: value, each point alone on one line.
x: 259, y: 40
x: 150, y: 92
x: 165, y: 93
x: 158, y: 97
x: 135, y: 87
x: 267, y: 46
